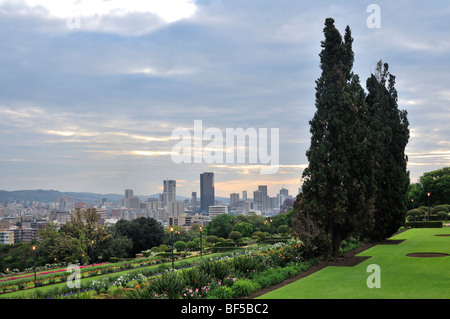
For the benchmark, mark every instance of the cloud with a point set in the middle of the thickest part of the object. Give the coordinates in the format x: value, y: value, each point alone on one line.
x: 126, y: 17
x: 93, y: 107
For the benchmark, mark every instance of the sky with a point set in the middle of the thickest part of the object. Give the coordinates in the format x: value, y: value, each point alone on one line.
x: 91, y: 91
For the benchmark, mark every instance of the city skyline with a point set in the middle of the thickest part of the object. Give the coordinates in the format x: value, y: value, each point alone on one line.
x: 91, y: 91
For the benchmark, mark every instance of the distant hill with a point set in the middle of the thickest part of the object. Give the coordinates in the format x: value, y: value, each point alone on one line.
x: 46, y: 196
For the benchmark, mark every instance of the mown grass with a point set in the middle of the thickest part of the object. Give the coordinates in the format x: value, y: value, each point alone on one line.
x: 401, y: 277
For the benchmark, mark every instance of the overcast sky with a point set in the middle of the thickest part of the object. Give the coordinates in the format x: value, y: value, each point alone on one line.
x: 91, y: 90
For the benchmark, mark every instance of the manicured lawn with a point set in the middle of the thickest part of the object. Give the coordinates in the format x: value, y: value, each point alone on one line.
x: 402, y: 277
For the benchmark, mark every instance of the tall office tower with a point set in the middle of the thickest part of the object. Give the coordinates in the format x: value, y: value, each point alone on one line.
x: 265, y: 198
x: 234, y: 200
x: 194, y: 199
x: 175, y: 208
x: 128, y: 193
x: 284, y: 192
x: 130, y: 201
x: 244, y: 195
x: 258, y: 200
x: 207, y: 197
x: 169, y: 194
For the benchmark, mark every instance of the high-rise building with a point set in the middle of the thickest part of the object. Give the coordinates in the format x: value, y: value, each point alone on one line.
x: 170, y: 193
x: 130, y: 201
x: 284, y: 192
x: 207, y: 197
x: 128, y: 193
x: 244, y: 195
x: 194, y: 199
x: 175, y: 208
x: 265, y: 198
x: 234, y: 200
x: 258, y: 200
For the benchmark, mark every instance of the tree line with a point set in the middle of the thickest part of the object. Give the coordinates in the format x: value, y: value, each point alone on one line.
x: 83, y: 240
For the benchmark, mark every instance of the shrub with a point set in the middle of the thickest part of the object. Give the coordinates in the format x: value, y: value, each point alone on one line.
x: 413, y: 214
x: 427, y: 224
x: 439, y: 208
x: 180, y: 245
x: 269, y: 277
x: 244, y: 287
x: 220, y: 292
x: 170, y: 283
x: 248, y: 264
x: 196, y: 278
x: 443, y: 215
x: 217, y: 269
x: 235, y: 235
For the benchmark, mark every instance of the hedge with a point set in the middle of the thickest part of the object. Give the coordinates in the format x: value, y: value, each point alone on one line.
x: 426, y: 224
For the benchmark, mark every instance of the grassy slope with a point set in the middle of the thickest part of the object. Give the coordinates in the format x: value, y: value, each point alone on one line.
x: 402, y: 277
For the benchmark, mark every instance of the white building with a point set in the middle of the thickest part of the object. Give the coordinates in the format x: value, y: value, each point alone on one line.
x: 217, y: 210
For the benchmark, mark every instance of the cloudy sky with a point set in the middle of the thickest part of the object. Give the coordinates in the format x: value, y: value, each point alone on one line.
x: 91, y: 90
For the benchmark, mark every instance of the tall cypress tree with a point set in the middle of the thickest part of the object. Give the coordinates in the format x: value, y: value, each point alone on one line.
x: 338, y: 183
x: 389, y: 137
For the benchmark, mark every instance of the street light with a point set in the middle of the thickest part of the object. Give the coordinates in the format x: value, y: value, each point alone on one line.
x: 34, y: 251
x: 92, y: 252
x: 201, y: 242
x: 171, y: 237
x: 429, y: 194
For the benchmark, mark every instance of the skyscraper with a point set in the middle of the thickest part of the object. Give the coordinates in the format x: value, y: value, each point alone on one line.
x: 265, y: 198
x: 234, y: 200
x: 194, y: 199
x: 206, y: 191
x: 169, y: 193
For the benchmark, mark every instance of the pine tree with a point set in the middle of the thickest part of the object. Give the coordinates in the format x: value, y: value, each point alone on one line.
x: 338, y: 182
x: 389, y: 137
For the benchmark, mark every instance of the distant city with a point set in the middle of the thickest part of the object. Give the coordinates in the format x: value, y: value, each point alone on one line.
x: 20, y: 220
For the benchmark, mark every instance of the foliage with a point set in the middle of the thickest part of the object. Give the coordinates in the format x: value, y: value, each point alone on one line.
x: 220, y: 292
x: 389, y: 135
x: 235, y: 235
x: 244, y: 287
x: 424, y: 224
x: 220, y: 226
x: 143, y: 231
x: 180, y: 245
x: 246, y: 229
x: 338, y: 188
x: 171, y: 284
x: 435, y: 182
x: 439, y: 208
x: 197, y: 278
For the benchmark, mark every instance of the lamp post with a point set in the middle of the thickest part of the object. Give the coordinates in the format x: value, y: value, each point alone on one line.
x: 429, y: 194
x: 201, y: 242
x: 171, y: 239
x: 92, y: 252
x: 34, y: 251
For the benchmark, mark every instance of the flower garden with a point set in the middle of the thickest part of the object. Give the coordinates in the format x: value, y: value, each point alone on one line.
x: 232, y: 274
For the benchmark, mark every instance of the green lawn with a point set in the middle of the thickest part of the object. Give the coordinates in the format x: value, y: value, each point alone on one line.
x: 402, y: 277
